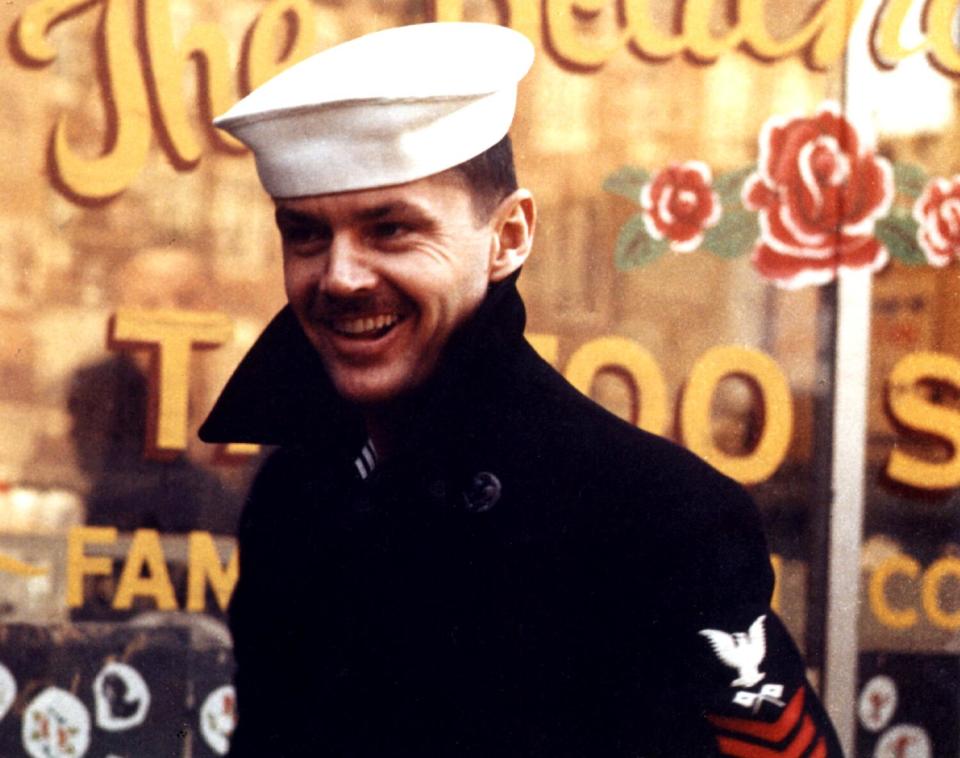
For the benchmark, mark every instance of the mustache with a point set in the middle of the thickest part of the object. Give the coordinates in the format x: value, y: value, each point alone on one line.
x: 327, y: 308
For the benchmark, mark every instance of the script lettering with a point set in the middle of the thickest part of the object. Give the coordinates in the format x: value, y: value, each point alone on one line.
x: 141, y: 86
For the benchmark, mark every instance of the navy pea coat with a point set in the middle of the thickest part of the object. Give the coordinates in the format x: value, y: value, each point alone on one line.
x: 527, y: 576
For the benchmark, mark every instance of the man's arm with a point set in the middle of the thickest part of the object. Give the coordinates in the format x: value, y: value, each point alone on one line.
x: 742, y: 667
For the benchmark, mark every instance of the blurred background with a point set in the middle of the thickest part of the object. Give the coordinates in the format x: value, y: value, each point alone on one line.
x: 118, y: 199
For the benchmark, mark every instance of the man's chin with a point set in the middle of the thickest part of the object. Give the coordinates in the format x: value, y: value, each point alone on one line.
x: 370, y: 392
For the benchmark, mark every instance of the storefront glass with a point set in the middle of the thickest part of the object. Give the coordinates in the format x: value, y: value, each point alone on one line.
x: 664, y: 142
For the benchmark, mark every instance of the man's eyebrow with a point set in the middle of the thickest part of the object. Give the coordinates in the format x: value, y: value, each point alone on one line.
x: 289, y: 216
x: 396, y: 208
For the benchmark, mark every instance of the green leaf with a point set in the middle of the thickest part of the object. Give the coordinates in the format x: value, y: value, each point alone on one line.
x: 909, y: 179
x: 627, y: 181
x: 898, y: 232
x: 728, y: 184
x: 734, y: 235
x: 635, y: 247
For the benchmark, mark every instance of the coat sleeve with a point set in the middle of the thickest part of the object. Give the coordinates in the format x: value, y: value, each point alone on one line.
x: 739, y: 664
x: 266, y: 676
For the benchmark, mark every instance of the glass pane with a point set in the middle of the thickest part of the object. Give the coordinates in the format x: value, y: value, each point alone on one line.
x: 909, y: 676
x: 652, y: 288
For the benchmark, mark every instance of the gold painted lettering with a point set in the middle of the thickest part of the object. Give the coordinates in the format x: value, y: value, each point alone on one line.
x: 522, y: 15
x: 933, y: 579
x: 824, y: 36
x: 627, y: 356
x: 908, y: 407
x: 132, y: 107
x: 567, y: 41
x: 876, y: 590
x: 172, y: 335
x: 128, y: 118
x: 776, y: 562
x: 145, y: 552
x: 296, y: 21
x: 547, y: 347
x: 939, y: 21
x: 38, y: 19
x: 646, y: 40
x: 205, y: 46
x: 79, y: 564
x: 241, y: 449
x: 774, y: 390
x: 885, y: 46
x: 699, y: 39
x: 205, y: 568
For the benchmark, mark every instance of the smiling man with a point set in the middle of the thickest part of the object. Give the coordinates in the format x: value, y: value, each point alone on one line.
x: 452, y: 552
x: 380, y: 279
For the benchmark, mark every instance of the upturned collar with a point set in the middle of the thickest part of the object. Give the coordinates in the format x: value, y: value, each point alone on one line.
x: 280, y: 393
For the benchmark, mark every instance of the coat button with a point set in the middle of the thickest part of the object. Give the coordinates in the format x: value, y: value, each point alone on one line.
x: 437, y: 490
x: 482, y: 493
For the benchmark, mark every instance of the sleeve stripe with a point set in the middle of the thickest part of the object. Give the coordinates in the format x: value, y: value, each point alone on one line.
x: 795, y: 749
x: 820, y: 751
x: 772, y: 732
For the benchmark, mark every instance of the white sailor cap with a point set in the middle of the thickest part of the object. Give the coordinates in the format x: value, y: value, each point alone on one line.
x: 386, y: 108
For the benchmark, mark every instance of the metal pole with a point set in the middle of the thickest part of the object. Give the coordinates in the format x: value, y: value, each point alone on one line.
x: 848, y: 470
x: 846, y: 514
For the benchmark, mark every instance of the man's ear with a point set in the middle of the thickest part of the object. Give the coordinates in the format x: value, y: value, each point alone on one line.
x: 513, y: 223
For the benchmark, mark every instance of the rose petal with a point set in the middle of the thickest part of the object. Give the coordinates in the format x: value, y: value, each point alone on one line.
x: 678, y: 203
x: 650, y: 224
x: 790, y: 272
x: 716, y: 210
x: 869, y: 194
x: 688, y: 245
x: 862, y: 252
x: 936, y: 256
x: 756, y: 194
x: 776, y: 232
x: 937, y: 212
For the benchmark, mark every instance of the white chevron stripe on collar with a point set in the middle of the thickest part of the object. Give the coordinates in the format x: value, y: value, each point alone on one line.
x: 366, y: 461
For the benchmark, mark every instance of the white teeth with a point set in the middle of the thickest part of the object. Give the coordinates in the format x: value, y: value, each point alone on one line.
x: 363, y: 325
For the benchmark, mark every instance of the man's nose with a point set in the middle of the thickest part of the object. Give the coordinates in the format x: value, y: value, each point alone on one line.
x: 348, y: 269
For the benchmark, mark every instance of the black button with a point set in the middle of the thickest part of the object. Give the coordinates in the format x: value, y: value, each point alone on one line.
x: 482, y: 493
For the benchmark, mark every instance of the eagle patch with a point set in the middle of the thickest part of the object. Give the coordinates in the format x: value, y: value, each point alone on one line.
x: 743, y: 651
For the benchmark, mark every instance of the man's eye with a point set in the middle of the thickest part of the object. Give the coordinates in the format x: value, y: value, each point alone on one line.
x: 303, y: 235
x: 387, y: 230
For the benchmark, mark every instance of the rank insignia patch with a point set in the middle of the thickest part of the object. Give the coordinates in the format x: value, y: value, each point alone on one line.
x: 743, y: 651
x: 794, y: 733
x: 769, y: 693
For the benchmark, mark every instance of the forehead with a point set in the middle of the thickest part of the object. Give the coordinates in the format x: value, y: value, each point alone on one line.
x: 442, y: 195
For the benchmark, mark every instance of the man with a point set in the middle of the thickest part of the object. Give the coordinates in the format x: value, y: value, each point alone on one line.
x: 452, y: 552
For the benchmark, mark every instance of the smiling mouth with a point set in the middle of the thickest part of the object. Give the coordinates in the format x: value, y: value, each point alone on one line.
x: 364, y: 327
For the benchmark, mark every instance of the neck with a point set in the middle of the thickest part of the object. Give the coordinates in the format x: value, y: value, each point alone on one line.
x: 385, y: 427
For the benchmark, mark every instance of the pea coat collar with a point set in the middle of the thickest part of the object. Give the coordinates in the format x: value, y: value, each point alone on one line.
x: 280, y: 394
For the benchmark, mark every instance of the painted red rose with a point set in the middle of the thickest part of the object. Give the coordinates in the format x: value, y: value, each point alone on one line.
x: 679, y: 204
x: 819, y: 191
x: 937, y: 210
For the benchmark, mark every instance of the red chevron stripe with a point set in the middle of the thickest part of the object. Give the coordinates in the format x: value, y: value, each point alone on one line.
x: 820, y: 751
x: 795, y: 749
x: 775, y: 731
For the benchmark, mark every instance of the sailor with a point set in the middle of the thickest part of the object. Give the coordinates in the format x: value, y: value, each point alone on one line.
x: 452, y: 552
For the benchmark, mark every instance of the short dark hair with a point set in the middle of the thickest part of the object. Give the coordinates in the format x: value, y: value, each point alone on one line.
x: 490, y: 177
